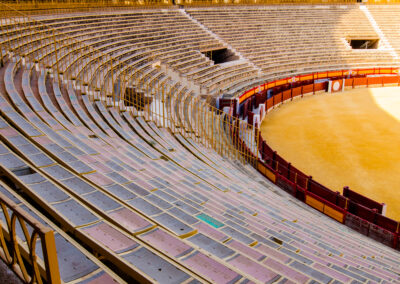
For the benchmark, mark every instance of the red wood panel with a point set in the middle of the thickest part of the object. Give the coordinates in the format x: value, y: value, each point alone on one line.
x: 287, y: 95
x: 386, y: 223
x: 360, y: 81
x: 319, y: 87
x: 278, y: 98
x: 348, y: 82
x: 296, y: 92
x: 308, y: 89
x: 390, y: 80
x: 269, y: 103
x: 363, y: 200
x: 374, y: 80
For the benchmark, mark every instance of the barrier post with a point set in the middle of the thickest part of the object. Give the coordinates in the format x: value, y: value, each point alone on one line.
x: 273, y: 101
x: 50, y: 257
x: 309, y: 179
x: 273, y: 159
x: 313, y: 84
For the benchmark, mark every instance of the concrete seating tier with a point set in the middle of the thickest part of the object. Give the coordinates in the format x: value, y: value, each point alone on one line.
x: 293, y: 39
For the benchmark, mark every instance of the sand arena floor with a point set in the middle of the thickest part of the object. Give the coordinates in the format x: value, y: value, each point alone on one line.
x: 350, y: 138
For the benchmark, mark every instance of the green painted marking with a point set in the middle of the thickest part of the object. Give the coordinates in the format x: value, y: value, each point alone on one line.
x: 210, y: 220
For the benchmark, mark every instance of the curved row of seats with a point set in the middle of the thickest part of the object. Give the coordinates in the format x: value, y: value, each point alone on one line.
x: 76, y: 264
x: 101, y: 186
x: 95, y: 44
x: 286, y: 40
x: 153, y: 200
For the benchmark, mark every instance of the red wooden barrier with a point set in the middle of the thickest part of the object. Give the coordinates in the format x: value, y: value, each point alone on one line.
x: 269, y: 103
x: 360, y: 81
x: 287, y: 95
x: 361, y: 199
x: 390, y: 80
x: 357, y: 223
x: 387, y: 223
x: 296, y: 92
x: 349, y: 82
x: 286, y: 185
x: 278, y: 98
x: 319, y: 87
x: 381, y: 235
x: 374, y: 81
x: 308, y: 89
x: 323, y: 191
x: 353, y: 209
x: 326, y: 207
x: 250, y: 117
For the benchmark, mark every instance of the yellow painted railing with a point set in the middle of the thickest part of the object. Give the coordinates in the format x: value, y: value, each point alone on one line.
x: 16, y: 253
x: 192, y: 117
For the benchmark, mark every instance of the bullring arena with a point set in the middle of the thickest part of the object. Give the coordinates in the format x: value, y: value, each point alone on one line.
x: 343, y: 139
x: 199, y: 141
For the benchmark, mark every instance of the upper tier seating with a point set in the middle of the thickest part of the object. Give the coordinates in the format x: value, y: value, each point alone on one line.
x: 155, y: 201
x: 285, y: 40
x: 89, y: 46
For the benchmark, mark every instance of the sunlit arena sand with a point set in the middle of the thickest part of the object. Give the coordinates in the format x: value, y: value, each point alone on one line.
x: 350, y: 138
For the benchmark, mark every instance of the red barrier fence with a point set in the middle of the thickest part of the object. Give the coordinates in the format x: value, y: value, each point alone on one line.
x: 352, y: 209
x: 367, y: 202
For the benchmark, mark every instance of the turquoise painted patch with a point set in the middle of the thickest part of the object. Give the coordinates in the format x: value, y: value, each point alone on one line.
x: 210, y: 220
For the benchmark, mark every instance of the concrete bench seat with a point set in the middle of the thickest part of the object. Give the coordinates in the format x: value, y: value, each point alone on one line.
x: 166, y: 243
x: 121, y: 192
x: 110, y: 237
x: 75, y: 212
x: 174, y: 225
x: 159, y: 269
x: 213, y: 247
x: 49, y: 192
x: 131, y: 220
x: 210, y: 268
x: 101, y: 201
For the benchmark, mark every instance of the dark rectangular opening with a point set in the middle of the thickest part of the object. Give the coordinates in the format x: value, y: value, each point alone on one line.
x: 136, y: 98
x: 364, y: 43
x: 221, y: 55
